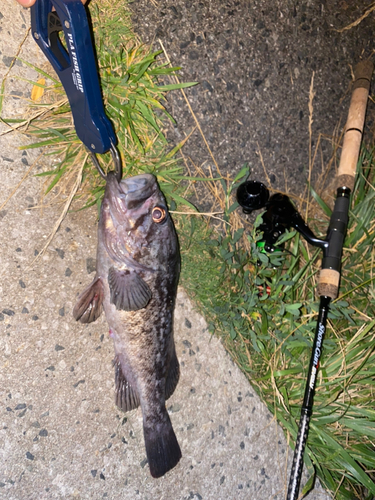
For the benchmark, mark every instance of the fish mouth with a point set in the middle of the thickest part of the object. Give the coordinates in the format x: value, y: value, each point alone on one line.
x: 132, y: 191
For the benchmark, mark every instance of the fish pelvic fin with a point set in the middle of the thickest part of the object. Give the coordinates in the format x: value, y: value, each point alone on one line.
x: 89, y: 305
x: 173, y: 376
x: 126, y: 396
x: 162, y: 448
x: 129, y: 292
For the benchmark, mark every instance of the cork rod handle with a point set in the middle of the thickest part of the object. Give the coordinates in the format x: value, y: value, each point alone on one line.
x: 354, y: 125
x: 329, y: 277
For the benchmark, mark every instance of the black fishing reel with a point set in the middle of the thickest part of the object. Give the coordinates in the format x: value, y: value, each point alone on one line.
x: 280, y: 214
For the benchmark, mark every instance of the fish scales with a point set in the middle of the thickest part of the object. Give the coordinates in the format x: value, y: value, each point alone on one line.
x: 136, y: 283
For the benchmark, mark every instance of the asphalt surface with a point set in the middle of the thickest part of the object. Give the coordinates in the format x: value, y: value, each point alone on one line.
x: 61, y: 435
x: 254, y: 62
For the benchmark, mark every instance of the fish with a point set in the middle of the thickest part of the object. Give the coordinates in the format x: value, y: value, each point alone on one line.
x: 137, y: 272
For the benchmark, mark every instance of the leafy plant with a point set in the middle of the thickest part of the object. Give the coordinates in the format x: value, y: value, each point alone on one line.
x: 264, y: 306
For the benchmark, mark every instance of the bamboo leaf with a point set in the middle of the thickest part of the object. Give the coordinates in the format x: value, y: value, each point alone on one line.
x: 320, y: 202
x: 40, y: 71
x: 176, y: 86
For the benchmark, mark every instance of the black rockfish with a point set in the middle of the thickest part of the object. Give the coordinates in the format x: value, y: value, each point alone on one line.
x: 136, y: 279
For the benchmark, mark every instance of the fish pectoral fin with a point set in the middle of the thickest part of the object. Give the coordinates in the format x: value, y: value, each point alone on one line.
x: 129, y: 292
x: 89, y: 305
x: 173, y: 376
x: 126, y: 397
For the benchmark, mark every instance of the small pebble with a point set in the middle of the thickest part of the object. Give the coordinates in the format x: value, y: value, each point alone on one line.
x: 8, y: 312
x: 60, y: 252
x: 29, y: 456
x: 174, y: 408
x: 79, y: 382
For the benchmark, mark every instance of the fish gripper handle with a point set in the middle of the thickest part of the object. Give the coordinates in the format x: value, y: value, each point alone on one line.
x: 75, y: 66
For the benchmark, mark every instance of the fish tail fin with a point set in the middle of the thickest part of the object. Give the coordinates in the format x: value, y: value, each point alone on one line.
x: 162, y: 448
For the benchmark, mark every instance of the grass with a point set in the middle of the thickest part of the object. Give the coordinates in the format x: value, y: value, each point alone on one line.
x: 134, y: 100
x: 264, y: 307
x: 270, y: 335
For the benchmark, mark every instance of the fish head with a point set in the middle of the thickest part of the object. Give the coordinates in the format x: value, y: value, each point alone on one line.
x: 136, y: 223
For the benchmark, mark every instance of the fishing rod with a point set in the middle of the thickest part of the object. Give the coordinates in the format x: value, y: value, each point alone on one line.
x: 281, y: 214
x: 329, y: 278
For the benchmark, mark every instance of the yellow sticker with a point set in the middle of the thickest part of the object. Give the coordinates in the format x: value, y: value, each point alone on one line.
x: 37, y: 92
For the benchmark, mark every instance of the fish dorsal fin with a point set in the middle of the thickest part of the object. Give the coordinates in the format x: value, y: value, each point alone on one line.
x: 129, y: 292
x: 89, y: 305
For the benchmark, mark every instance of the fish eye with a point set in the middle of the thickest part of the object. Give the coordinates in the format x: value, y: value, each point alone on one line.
x: 159, y: 214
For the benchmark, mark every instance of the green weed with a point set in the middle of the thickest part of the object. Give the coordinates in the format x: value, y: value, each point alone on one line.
x: 264, y: 306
